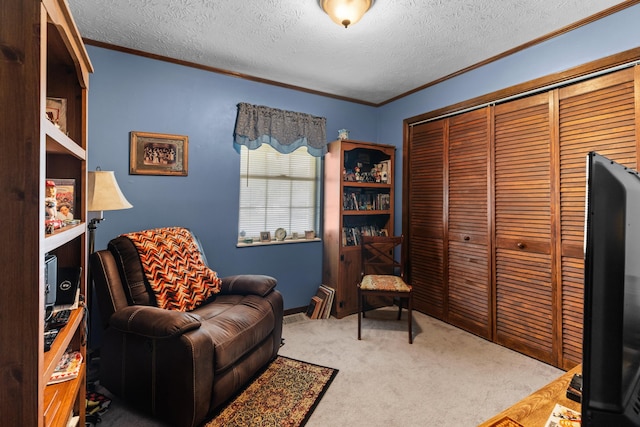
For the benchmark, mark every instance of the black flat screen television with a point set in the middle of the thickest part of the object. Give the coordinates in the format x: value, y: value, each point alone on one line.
x: 611, y: 339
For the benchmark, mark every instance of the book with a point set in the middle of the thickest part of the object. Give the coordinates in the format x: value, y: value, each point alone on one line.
x: 563, y: 416
x: 67, y: 368
x: 323, y: 295
x: 329, y: 302
x: 317, y: 306
x: 312, y: 306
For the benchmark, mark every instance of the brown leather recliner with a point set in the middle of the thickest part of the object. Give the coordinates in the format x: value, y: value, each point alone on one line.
x: 180, y: 366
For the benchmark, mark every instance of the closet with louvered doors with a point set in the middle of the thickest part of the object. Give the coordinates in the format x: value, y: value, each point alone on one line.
x: 535, y: 208
x: 600, y: 115
x: 467, y: 222
x: 423, y: 216
x: 524, y: 268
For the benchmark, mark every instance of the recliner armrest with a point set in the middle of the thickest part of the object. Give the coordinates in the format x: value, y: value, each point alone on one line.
x: 248, y: 284
x: 154, y: 322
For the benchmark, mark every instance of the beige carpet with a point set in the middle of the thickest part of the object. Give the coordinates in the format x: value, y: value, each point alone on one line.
x: 447, y: 377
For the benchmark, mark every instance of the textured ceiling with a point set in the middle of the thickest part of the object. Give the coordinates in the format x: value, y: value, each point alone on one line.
x: 398, y: 46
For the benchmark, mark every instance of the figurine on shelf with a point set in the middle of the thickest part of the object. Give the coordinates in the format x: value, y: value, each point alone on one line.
x: 377, y: 172
x: 349, y: 176
x: 50, y: 200
x: 50, y: 211
x: 384, y: 172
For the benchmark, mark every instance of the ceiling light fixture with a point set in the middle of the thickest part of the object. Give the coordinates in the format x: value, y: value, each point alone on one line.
x: 345, y: 12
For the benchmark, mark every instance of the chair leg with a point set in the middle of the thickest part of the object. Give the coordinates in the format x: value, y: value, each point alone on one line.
x: 409, y: 307
x: 400, y: 307
x: 359, y: 312
x: 364, y: 306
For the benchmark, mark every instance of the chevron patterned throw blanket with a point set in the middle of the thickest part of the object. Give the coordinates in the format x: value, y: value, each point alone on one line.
x: 174, y: 268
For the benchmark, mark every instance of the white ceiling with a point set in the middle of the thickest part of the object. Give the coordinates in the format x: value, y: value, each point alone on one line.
x: 398, y: 46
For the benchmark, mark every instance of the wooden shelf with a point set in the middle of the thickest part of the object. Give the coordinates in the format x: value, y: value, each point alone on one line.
x: 59, y: 143
x: 366, y: 212
x: 63, y: 235
x: 61, y: 343
x: 60, y: 399
x: 374, y: 185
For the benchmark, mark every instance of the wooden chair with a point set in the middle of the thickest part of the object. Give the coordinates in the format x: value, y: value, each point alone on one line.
x: 383, y: 275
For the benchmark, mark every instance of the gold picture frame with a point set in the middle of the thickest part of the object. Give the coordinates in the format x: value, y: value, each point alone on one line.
x: 158, y: 154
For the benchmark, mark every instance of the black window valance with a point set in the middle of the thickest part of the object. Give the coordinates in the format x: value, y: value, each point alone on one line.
x: 284, y: 130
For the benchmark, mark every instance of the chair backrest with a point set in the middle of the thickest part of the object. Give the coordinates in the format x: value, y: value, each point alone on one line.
x: 119, y: 277
x: 382, y: 255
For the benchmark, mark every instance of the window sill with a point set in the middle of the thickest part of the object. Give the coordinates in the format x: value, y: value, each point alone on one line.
x: 276, y: 242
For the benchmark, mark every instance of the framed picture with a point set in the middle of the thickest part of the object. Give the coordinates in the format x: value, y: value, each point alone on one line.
x: 265, y: 236
x: 65, y: 198
x: 158, y: 154
x: 56, y: 112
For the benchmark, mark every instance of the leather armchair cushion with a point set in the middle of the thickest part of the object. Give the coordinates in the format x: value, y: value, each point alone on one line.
x: 131, y: 272
x: 248, y: 284
x: 154, y: 322
x: 236, y: 325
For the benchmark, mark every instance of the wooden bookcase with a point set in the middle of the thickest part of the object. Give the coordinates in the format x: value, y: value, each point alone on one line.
x: 357, y: 200
x: 42, y: 56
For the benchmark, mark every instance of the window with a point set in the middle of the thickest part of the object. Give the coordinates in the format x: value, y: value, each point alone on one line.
x: 278, y: 191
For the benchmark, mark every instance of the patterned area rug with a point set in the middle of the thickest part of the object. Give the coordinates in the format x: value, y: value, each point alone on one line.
x: 285, y: 394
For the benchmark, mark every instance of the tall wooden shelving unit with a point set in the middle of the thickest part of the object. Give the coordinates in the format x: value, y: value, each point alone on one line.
x: 351, y: 206
x: 41, y: 55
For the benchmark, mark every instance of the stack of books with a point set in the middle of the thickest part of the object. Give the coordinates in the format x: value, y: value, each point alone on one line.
x: 320, y: 304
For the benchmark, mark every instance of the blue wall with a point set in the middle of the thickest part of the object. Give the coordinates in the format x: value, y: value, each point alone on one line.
x: 133, y: 93
x: 613, y: 34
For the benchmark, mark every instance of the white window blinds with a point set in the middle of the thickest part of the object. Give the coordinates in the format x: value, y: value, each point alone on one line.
x: 278, y: 191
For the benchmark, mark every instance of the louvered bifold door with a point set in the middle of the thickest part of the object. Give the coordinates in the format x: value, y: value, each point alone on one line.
x: 424, y: 193
x: 469, y: 280
x: 599, y: 114
x: 523, y: 253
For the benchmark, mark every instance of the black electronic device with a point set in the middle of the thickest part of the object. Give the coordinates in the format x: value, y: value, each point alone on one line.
x: 50, y: 281
x: 574, y: 391
x: 49, y: 337
x: 58, y: 319
x: 68, y: 284
x: 611, y: 337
